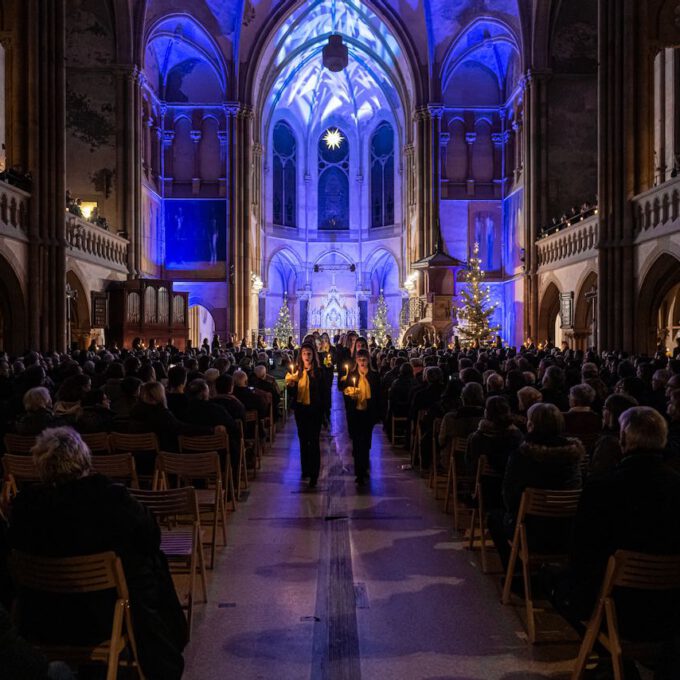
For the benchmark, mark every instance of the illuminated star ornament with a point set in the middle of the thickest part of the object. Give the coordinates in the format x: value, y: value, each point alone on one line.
x: 333, y: 138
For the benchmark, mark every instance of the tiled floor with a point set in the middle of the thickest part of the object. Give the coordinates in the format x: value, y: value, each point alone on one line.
x: 341, y: 583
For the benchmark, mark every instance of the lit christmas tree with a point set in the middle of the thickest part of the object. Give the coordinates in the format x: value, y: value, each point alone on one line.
x: 381, y: 326
x: 475, y: 314
x: 284, y: 326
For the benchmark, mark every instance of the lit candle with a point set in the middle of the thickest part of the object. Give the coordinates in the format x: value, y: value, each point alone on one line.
x: 291, y: 367
x: 354, y: 381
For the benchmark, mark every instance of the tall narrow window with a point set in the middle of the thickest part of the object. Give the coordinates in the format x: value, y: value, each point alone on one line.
x: 382, y: 176
x: 333, y: 180
x: 284, y: 176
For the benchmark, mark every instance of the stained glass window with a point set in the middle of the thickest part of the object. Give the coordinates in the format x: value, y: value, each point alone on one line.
x: 382, y: 176
x: 333, y: 184
x: 284, y: 190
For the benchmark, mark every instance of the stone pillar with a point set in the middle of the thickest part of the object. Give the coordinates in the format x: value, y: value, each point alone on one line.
x: 47, y: 226
x: 157, y: 142
x: 470, y: 139
x: 625, y: 162
x: 223, y: 136
x: 428, y: 123
x: 534, y: 136
x: 444, y: 139
x: 517, y: 148
x: 196, y: 175
x: 499, y: 139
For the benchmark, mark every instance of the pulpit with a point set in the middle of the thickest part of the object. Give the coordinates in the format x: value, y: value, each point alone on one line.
x: 148, y: 309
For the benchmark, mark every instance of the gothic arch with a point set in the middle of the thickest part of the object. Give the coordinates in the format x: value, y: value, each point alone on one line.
x: 660, y: 278
x: 79, y: 309
x: 583, y: 309
x: 13, y: 317
x: 549, y: 306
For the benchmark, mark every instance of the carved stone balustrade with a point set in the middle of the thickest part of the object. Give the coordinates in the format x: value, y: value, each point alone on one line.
x: 574, y: 243
x: 14, y: 205
x: 657, y: 211
x: 94, y: 244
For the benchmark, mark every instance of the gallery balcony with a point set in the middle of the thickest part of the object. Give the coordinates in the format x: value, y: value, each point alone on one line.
x: 573, y: 243
x: 657, y: 211
x: 95, y: 244
x: 14, y: 205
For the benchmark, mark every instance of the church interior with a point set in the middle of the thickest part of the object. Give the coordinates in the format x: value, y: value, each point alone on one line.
x: 214, y: 187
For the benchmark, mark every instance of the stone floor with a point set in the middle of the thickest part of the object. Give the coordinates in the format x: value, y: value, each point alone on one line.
x: 340, y: 583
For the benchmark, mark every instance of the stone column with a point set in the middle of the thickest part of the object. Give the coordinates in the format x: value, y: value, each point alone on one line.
x: 168, y: 169
x: 47, y: 226
x: 499, y: 139
x: 223, y: 136
x: 444, y: 139
x: 470, y: 139
x: 428, y: 123
x: 196, y: 176
x: 625, y: 162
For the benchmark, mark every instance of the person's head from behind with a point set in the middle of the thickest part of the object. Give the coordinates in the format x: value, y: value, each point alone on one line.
x: 224, y: 384
x: 494, y: 383
x: 36, y: 399
x: 130, y: 387
x: 260, y: 372
x: 642, y: 427
x: 497, y: 411
x: 581, y: 396
x: 198, y: 389
x: 614, y: 406
x: 660, y: 378
x: 177, y: 378
x: 589, y: 371
x: 527, y: 397
x: 433, y: 375
x: 553, y: 378
x: 60, y: 456
x: 240, y: 378
x: 545, y: 420
x: 153, y: 394
x: 472, y: 395
x: 406, y: 371
x: 96, y: 398
x: 470, y: 375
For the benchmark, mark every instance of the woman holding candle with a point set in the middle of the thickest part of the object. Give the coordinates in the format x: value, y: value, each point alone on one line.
x: 363, y: 411
x: 308, y: 394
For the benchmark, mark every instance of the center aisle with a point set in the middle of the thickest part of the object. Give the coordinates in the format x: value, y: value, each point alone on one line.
x: 340, y: 583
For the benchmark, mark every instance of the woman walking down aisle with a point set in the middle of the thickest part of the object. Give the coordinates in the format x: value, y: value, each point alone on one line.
x: 362, y: 387
x: 308, y: 395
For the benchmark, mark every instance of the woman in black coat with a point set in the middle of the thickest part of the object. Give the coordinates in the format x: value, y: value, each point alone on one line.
x: 362, y: 389
x: 308, y: 395
x: 77, y: 512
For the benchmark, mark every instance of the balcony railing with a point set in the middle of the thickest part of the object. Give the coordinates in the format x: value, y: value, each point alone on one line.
x: 95, y: 244
x: 572, y: 244
x: 657, y: 209
x: 14, y: 204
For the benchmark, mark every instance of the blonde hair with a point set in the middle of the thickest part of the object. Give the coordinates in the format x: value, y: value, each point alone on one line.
x: 643, y: 427
x: 545, y: 420
x: 527, y: 397
x: 60, y: 455
x: 153, y: 393
x: 37, y: 398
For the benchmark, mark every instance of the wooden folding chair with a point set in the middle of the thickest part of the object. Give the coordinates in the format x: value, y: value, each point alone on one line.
x: 433, y: 481
x: 403, y: 422
x: 220, y: 443
x: 17, y: 470
x: 118, y: 466
x: 626, y: 569
x: 180, y: 542
x: 546, y: 503
x: 144, y: 448
x: 478, y: 519
x: 457, y: 480
x: 269, y: 423
x: 74, y: 576
x: 251, y: 438
x: 99, y: 443
x: 19, y: 444
x: 188, y: 468
x: 416, y: 453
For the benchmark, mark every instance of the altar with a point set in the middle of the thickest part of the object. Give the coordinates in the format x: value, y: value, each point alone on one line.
x: 335, y: 313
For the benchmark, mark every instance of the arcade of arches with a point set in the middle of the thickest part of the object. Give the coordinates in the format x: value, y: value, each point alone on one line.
x: 192, y: 145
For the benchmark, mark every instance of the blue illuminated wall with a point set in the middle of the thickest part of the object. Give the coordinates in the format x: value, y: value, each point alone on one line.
x: 195, y: 233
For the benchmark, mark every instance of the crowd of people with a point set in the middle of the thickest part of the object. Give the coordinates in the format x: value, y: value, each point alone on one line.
x: 607, y: 423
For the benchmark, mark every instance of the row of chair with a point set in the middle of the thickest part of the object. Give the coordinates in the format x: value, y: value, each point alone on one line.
x: 626, y: 569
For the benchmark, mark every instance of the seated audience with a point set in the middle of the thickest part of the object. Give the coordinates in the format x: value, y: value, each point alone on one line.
x: 39, y: 416
x: 224, y: 398
x: 580, y: 420
x: 607, y: 451
x: 78, y: 512
x: 95, y: 413
x: 464, y: 421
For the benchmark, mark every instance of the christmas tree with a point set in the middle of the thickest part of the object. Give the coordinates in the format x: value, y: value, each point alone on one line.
x: 381, y: 326
x: 284, y: 326
x: 476, y: 312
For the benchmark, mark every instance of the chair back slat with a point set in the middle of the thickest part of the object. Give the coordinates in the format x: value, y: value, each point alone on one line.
x: 22, y: 468
x: 550, y: 503
x: 190, y: 465
x: 132, y: 443
x: 645, y: 571
x: 98, y: 442
x: 168, y: 503
x: 117, y: 466
x: 252, y: 416
x: 82, y: 574
x: 19, y: 444
x: 459, y: 445
x: 203, y: 443
x: 484, y: 469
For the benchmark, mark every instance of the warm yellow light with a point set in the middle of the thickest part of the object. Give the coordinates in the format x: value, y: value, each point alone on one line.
x: 87, y: 207
x: 333, y: 138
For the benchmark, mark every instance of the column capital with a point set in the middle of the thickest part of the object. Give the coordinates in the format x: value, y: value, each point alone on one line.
x: 6, y: 40
x: 195, y: 136
x: 444, y: 138
x: 223, y: 136
x: 500, y: 138
x: 428, y: 111
x: 168, y: 137
x: 231, y: 108
x: 470, y: 137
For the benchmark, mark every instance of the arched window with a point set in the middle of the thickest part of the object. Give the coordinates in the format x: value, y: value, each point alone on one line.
x: 382, y: 176
x: 284, y: 176
x: 333, y: 180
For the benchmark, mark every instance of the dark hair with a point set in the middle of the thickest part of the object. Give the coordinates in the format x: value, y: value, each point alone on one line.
x: 224, y: 384
x: 406, y: 370
x: 130, y: 385
x: 115, y: 371
x: 498, y: 412
x: 616, y: 404
x: 196, y: 388
x: 315, y: 358
x: 73, y: 388
x: 93, y: 398
x: 177, y: 376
